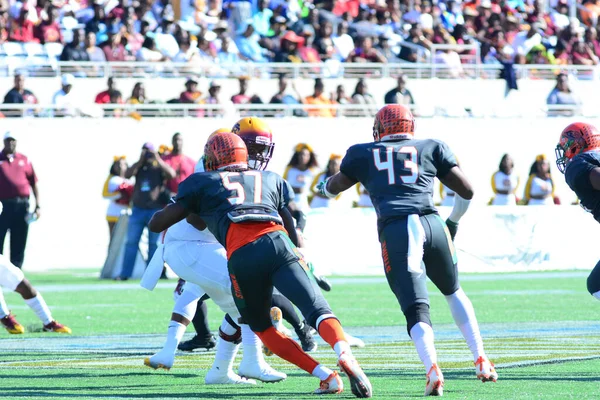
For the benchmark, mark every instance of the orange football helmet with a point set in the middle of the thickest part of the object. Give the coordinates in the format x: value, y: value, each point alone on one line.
x: 259, y: 140
x: 225, y: 152
x: 393, y: 122
x: 576, y: 138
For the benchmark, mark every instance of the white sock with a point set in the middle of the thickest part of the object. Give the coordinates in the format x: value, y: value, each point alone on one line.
x: 342, y: 347
x: 174, y: 335
x: 251, y: 345
x: 40, y: 308
x: 321, y: 372
x: 225, y: 355
x: 422, y: 336
x: 3, y: 307
x: 596, y: 295
x: 464, y: 316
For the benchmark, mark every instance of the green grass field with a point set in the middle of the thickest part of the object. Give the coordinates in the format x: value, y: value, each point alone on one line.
x: 541, y: 330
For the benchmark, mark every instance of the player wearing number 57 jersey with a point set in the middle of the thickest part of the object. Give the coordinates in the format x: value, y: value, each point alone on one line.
x: 398, y: 171
x: 245, y: 210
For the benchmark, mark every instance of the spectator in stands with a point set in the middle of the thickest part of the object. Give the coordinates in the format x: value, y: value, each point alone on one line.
x: 118, y: 191
x: 561, y: 56
x: 284, y: 97
x: 300, y: 173
x: 361, y: 96
x: 96, y: 25
x: 563, y: 95
x: 386, y: 51
x: 583, y: 54
x: 319, y: 98
x: 247, y: 44
x: 114, y: 50
x: 181, y: 164
x: 149, y: 196
x: 48, y: 30
x: 344, y: 44
x: 415, y: 37
x: 134, y: 38
x: 505, y: 183
x: 75, y: 50
x: 165, y: 41
x: 104, y: 96
x: 539, y: 189
x: 149, y: 52
x: 400, y: 94
x: 19, y: 95
x: 591, y: 40
x: 526, y: 40
x: 341, y: 96
x: 324, y: 43
x: 333, y: 167
x: 95, y: 53
x: 225, y: 54
x: 308, y: 53
x: 191, y: 95
x: 289, y: 48
x: 261, y: 19
x: 242, y: 97
x: 214, y: 94
x: 4, y: 33
x: 22, y: 28
x: 66, y: 105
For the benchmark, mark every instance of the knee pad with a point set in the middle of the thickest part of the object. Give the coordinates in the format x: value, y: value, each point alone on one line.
x: 418, y: 312
x: 236, y: 338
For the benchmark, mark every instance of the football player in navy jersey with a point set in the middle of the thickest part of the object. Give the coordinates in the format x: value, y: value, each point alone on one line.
x: 398, y: 171
x: 578, y: 157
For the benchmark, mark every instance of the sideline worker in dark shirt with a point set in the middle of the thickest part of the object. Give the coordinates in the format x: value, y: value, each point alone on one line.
x: 16, y: 178
x: 149, y: 196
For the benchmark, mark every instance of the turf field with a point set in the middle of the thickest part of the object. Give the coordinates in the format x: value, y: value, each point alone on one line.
x: 541, y: 330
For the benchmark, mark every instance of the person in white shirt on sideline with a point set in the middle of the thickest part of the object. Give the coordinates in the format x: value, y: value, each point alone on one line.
x: 505, y: 183
x: 63, y: 99
x: 300, y: 173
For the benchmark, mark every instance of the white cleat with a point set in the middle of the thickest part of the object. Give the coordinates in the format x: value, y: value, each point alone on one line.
x: 261, y: 372
x: 332, y: 385
x: 354, y: 341
x: 160, y: 360
x: 359, y: 383
x: 216, y: 377
x: 435, y: 382
x: 486, y: 372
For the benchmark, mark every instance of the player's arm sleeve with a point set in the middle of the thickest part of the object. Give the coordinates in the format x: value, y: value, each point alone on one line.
x: 188, y: 194
x: 444, y: 159
x: 351, y: 164
x: 286, y: 194
x: 578, y: 175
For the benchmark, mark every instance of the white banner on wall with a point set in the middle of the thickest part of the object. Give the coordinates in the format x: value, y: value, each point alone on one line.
x: 72, y: 158
x: 489, y: 239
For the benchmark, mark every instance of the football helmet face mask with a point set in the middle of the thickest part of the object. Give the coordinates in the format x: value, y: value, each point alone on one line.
x: 259, y: 141
x: 576, y: 138
x: 225, y: 152
x: 393, y: 122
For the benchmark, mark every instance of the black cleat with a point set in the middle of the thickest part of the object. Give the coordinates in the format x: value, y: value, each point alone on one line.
x: 198, y: 343
x: 306, y: 338
x: 323, y: 282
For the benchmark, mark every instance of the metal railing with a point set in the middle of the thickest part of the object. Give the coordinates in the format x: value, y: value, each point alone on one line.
x: 159, y: 110
x: 141, y: 70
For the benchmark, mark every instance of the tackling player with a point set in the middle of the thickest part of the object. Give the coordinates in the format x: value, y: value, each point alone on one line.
x: 12, y: 278
x: 195, y: 255
x: 246, y: 211
x: 578, y: 158
x: 398, y: 171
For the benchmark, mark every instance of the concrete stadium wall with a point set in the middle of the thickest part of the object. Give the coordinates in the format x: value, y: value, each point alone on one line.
x: 72, y: 158
x: 480, y: 95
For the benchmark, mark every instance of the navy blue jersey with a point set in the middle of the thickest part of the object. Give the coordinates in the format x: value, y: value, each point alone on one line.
x: 223, y: 198
x: 578, y: 179
x: 399, y: 175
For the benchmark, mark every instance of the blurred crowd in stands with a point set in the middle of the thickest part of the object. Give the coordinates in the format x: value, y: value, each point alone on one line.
x: 231, y: 31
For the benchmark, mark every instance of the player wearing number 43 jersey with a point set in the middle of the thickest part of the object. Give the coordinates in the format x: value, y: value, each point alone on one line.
x: 398, y: 171
x: 245, y: 210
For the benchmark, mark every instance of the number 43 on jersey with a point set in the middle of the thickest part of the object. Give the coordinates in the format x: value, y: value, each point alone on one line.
x: 405, y: 160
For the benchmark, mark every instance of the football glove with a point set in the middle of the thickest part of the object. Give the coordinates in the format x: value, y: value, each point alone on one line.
x: 322, y: 188
x: 452, y: 228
